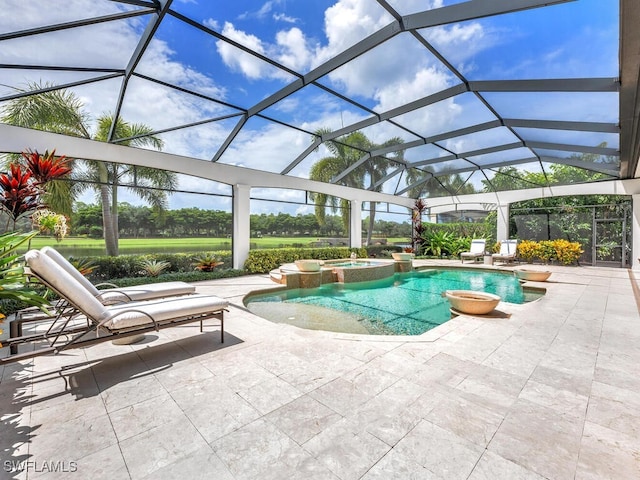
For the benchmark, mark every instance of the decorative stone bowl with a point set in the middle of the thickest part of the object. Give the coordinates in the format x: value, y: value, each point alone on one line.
x: 402, y: 256
x: 471, y: 302
x: 532, y: 275
x: 309, y: 265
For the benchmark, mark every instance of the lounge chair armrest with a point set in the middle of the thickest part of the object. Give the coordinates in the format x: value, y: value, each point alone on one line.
x: 127, y: 298
x: 131, y: 310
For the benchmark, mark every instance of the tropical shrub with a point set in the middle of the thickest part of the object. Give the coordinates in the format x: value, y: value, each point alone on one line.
x: 13, y: 281
x: 563, y: 251
x: 24, y: 188
x: 84, y: 265
x: 459, y: 245
x: 153, y: 268
x: 547, y: 251
x: 206, y: 262
x: 438, y: 243
x: 567, y: 252
x: 127, y: 266
x: 528, y: 250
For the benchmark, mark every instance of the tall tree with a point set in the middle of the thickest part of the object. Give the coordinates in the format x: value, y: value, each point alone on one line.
x: 107, y: 177
x: 346, y: 151
x: 61, y: 111
x: 437, y: 185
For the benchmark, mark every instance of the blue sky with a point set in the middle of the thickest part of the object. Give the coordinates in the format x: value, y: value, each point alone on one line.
x: 575, y: 39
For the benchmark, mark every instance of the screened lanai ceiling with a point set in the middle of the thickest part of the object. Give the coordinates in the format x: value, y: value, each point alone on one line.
x: 419, y: 98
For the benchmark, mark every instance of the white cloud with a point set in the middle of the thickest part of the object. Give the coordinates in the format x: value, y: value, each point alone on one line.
x: 349, y: 21
x: 212, y: 24
x: 281, y: 17
x: 293, y: 49
x: 460, y: 42
x: 245, y: 63
x: 262, y: 12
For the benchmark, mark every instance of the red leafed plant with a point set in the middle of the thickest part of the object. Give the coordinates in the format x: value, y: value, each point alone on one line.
x: 19, y: 194
x: 47, y: 167
x: 21, y: 189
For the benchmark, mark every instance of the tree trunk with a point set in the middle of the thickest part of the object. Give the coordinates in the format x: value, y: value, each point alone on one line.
x: 114, y: 212
x: 107, y: 221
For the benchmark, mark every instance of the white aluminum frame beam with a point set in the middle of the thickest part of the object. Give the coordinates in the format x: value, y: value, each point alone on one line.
x: 17, y: 139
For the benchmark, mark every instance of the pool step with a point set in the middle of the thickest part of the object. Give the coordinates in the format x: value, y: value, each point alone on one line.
x: 278, y: 277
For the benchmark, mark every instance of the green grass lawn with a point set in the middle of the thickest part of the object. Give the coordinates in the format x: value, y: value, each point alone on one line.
x: 82, y: 246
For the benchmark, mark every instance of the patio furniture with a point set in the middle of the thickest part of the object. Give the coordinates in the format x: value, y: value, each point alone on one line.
x: 117, y: 294
x: 476, y: 251
x: 107, y: 296
x: 508, y: 250
x: 88, y: 321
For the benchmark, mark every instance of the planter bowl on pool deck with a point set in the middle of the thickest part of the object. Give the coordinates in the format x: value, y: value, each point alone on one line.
x: 471, y: 302
x: 309, y: 265
x: 532, y: 275
x: 401, y: 256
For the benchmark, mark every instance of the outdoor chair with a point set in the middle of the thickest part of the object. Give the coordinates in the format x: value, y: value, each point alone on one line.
x: 508, y: 250
x: 108, y: 296
x: 92, y: 322
x: 121, y: 294
x: 476, y: 250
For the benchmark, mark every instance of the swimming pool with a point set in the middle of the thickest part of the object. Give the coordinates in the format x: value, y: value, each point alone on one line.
x: 403, y: 304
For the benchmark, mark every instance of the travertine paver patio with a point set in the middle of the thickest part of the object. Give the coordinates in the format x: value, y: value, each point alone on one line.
x: 552, y: 391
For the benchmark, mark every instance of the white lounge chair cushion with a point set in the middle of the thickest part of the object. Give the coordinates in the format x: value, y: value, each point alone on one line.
x: 145, y: 292
x: 135, y: 314
x: 65, y: 284
x: 507, y: 249
x: 123, y: 294
x: 475, y: 250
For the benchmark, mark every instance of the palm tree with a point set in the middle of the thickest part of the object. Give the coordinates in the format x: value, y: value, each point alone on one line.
x: 346, y: 151
x: 58, y: 111
x: 107, y: 177
x: 61, y: 111
x: 438, y: 186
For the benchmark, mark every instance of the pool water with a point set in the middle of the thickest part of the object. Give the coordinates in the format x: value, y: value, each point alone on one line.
x: 351, y: 264
x: 405, y: 304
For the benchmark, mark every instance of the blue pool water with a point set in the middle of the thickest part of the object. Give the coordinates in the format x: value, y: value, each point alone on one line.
x: 405, y: 304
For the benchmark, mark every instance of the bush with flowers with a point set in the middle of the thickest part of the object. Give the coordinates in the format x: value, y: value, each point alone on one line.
x: 47, y: 222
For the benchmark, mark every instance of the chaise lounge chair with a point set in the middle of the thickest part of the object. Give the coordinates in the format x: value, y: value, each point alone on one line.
x: 476, y: 250
x: 92, y: 322
x: 121, y: 294
x: 508, y: 250
x: 108, y: 296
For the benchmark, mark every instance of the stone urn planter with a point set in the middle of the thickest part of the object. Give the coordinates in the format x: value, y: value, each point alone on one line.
x: 402, y: 256
x: 532, y: 275
x: 309, y: 265
x: 471, y: 302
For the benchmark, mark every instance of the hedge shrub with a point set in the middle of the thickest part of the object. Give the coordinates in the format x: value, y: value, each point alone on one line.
x: 263, y: 261
x: 128, y: 266
x: 546, y: 251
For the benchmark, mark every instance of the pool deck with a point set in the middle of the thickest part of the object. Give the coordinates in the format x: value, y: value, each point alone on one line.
x: 549, y: 389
